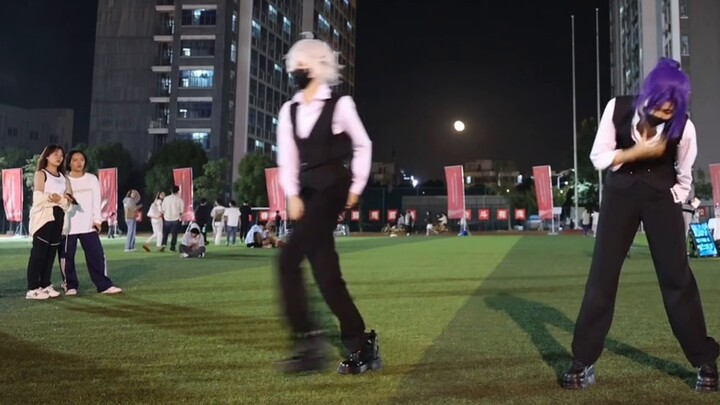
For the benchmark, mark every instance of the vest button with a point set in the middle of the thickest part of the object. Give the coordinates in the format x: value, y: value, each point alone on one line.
x: 631, y: 172
x: 648, y: 170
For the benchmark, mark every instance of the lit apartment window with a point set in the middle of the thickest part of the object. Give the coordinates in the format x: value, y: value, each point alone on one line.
x: 683, y: 9
x: 259, y: 146
x: 349, y: 26
x: 198, y: 78
x: 273, y: 13
x: 684, y: 45
x: 201, y: 138
x: 197, y: 48
x: 327, y: 5
x: 347, y: 3
x: 234, y: 22
x: 233, y: 52
x: 195, y: 110
x: 256, y: 29
x: 199, y: 17
x: 323, y: 23
x: 286, y: 25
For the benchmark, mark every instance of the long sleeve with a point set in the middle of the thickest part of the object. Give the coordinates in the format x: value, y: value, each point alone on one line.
x: 288, y: 157
x: 96, y: 201
x: 362, y: 146
x: 686, y: 154
x: 604, y: 148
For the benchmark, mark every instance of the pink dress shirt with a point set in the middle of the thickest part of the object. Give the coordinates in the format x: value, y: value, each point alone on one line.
x: 604, y: 150
x: 345, y: 119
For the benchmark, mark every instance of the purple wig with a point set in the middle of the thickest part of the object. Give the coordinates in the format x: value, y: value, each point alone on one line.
x: 666, y: 83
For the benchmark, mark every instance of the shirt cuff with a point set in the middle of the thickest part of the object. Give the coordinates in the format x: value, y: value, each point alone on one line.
x: 676, y: 197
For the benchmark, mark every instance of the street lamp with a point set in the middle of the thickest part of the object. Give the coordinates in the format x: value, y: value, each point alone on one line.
x: 415, y: 182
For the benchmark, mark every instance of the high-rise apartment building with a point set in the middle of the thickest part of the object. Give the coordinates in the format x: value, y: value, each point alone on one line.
x: 642, y: 31
x: 210, y: 71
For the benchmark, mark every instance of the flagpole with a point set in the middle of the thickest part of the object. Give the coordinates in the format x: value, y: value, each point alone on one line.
x: 575, y: 160
x: 597, y: 68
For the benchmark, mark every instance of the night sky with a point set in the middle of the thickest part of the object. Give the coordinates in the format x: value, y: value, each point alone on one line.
x: 503, y: 67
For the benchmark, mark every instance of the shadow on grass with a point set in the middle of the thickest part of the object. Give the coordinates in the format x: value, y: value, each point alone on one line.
x: 534, y: 318
x: 32, y: 374
x: 257, y: 332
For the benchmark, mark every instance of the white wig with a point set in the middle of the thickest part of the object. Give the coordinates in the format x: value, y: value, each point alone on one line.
x: 319, y: 58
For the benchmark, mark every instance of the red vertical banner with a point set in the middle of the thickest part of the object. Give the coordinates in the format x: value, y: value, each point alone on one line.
x: 276, y: 195
x: 455, y: 191
x: 543, y: 191
x: 12, y: 182
x: 484, y: 214
x: 355, y: 216
x: 392, y: 215
x: 108, y: 192
x: 413, y: 214
x: 502, y: 214
x: 520, y: 214
x: 184, y: 179
x: 374, y: 215
x: 715, y: 182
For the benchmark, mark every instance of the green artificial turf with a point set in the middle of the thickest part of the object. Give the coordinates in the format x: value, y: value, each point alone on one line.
x: 483, y: 319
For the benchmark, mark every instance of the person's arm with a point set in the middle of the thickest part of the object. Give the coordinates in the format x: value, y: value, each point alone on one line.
x: 686, y: 154
x: 96, y: 201
x: 349, y: 120
x: 288, y: 156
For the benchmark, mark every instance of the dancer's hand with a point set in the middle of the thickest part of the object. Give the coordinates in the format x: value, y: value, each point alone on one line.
x: 352, y: 200
x: 296, y: 208
x: 55, y: 198
x: 648, y: 149
x: 97, y: 227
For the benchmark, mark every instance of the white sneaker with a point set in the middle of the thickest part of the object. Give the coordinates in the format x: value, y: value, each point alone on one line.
x: 50, y: 291
x: 184, y: 255
x: 37, y: 294
x: 112, y: 290
x: 71, y: 291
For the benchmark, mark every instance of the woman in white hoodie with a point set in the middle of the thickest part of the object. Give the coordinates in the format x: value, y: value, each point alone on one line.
x: 84, y: 223
x: 51, y: 198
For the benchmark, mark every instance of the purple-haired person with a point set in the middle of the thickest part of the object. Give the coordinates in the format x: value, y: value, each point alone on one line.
x: 648, y: 145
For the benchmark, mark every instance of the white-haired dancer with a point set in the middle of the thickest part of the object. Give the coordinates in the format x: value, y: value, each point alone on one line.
x: 324, y: 155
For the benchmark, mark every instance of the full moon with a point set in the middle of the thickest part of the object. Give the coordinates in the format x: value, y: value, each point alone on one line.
x: 459, y: 126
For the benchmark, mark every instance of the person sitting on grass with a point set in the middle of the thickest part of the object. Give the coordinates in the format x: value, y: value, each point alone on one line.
x: 254, y: 237
x: 193, y: 244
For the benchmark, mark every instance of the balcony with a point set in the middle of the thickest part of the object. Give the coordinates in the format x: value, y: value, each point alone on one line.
x: 158, y: 125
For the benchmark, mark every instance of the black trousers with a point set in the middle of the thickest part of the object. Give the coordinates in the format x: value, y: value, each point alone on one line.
x: 312, y: 237
x: 620, y: 215
x: 170, y: 227
x: 45, y: 245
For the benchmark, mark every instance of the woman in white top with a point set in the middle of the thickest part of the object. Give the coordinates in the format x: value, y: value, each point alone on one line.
x: 217, y: 214
x: 156, y: 220
x: 85, y: 224
x: 51, y: 198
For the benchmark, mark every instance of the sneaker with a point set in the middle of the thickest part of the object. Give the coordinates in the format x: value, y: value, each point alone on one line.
x: 37, y: 294
x: 146, y: 248
x: 308, y: 356
x: 579, y: 376
x: 112, y: 290
x: 707, y: 378
x: 71, y: 291
x: 202, y: 255
x: 162, y: 249
x: 365, y: 359
x: 184, y: 255
x: 50, y: 291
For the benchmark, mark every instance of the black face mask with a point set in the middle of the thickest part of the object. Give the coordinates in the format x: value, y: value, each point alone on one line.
x: 654, y: 121
x: 302, y: 78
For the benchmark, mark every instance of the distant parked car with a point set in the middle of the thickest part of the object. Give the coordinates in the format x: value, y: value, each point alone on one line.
x: 533, y: 222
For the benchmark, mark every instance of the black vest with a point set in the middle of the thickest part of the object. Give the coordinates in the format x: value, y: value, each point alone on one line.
x: 658, y: 173
x: 324, y: 156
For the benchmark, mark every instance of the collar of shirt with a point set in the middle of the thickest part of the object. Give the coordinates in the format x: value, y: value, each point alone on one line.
x: 637, y: 136
x: 323, y: 93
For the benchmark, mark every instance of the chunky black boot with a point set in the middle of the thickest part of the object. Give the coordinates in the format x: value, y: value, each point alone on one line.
x: 707, y: 378
x: 309, y: 355
x: 365, y: 359
x: 579, y: 376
